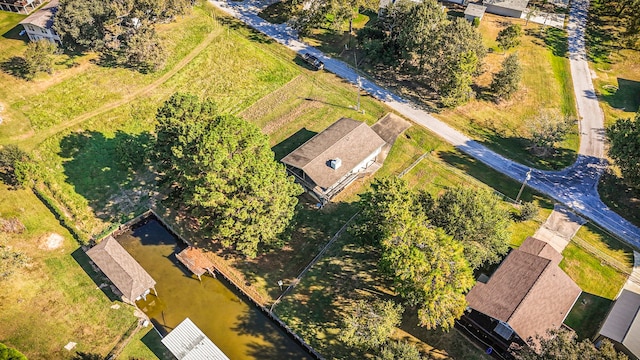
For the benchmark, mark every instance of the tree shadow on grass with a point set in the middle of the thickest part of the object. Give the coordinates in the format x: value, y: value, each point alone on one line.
x: 625, y: 97
x: 101, y: 281
x: 291, y: 143
x: 553, y: 38
x: 152, y: 340
x: 588, y: 314
x: 15, y: 66
x: 500, y: 182
x: 105, y: 175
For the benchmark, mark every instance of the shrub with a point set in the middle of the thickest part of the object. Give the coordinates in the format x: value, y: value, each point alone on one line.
x: 528, y: 211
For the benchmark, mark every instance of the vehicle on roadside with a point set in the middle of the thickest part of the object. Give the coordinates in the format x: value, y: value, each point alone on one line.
x: 313, y: 61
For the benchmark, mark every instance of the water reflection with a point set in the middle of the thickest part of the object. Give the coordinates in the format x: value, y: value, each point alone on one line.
x: 239, y: 330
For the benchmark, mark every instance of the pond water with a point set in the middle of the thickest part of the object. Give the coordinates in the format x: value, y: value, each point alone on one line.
x: 240, y: 330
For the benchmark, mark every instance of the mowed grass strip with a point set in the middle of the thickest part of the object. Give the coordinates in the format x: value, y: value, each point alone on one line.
x: 546, y: 83
x: 55, y: 300
x: 54, y: 99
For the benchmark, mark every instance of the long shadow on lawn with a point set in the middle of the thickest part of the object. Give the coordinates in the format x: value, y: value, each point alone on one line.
x: 152, y: 341
x: 101, y: 169
x: 292, y: 142
x: 100, y: 280
x: 625, y: 97
x: 307, y: 234
x: 501, y: 183
x: 588, y: 314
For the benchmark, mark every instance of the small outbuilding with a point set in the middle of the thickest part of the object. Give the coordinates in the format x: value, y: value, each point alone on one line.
x: 510, y: 8
x: 188, y: 342
x: 335, y: 157
x: 122, y: 269
x: 622, y: 326
x: 526, y: 296
x: 39, y: 25
x: 474, y: 11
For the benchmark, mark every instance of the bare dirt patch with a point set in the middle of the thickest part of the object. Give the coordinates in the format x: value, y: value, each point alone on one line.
x: 52, y: 241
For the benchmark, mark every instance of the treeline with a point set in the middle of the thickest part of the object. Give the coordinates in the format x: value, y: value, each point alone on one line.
x: 418, y: 40
x: 122, y: 31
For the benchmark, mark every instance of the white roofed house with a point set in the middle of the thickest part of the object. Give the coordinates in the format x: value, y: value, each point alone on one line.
x: 39, y: 25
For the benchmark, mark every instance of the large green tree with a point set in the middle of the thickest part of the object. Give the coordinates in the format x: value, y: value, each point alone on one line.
x: 509, y: 37
x: 222, y: 168
x: 400, y: 350
x: 427, y: 266
x: 82, y: 24
x: 15, y: 165
x: 368, y: 325
x: 624, y: 149
x: 507, y: 81
x: 477, y: 219
x: 7, y: 353
x: 562, y: 345
x: 39, y: 57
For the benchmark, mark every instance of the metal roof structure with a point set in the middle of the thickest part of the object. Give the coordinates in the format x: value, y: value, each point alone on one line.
x: 475, y: 10
x: 188, y: 342
x: 623, y: 322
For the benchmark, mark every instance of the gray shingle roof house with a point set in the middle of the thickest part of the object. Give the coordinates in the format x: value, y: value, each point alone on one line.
x: 622, y: 326
x: 527, y: 295
x: 511, y: 8
x: 335, y: 157
x: 39, y: 25
x: 122, y: 269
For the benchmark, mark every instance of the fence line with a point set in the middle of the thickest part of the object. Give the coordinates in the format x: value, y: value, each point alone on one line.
x: 603, y: 257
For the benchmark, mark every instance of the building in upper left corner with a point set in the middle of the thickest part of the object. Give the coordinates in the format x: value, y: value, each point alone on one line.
x: 39, y: 25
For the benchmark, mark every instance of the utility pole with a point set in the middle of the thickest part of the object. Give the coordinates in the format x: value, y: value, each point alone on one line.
x: 355, y: 59
x: 527, y: 178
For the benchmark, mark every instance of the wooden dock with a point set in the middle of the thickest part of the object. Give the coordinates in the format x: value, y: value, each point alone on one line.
x: 196, y: 261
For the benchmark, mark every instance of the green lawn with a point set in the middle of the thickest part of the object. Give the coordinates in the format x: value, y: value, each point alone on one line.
x: 55, y: 300
x: 145, y: 345
x: 546, y: 83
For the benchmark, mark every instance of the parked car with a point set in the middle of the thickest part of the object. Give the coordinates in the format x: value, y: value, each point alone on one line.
x: 313, y: 61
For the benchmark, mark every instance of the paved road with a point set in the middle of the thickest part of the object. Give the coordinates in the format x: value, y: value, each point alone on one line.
x: 575, y: 186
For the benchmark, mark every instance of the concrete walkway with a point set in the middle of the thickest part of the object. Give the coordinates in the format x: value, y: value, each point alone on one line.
x: 561, y: 226
x: 633, y: 283
x: 575, y: 186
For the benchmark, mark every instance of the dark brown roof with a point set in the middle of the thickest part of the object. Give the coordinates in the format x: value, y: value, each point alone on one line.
x: 348, y: 140
x: 528, y: 291
x: 543, y: 249
x: 121, y: 268
x: 43, y: 17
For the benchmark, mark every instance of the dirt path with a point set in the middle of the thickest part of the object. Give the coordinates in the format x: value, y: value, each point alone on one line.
x: 32, y: 141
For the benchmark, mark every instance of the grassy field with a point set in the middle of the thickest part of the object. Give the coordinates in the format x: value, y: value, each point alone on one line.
x: 246, y: 74
x: 546, y: 83
x: 55, y: 300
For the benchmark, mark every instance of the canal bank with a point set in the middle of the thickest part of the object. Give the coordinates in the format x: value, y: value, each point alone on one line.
x: 241, y: 329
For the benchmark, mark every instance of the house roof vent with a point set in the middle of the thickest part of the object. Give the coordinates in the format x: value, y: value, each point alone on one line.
x: 335, y: 163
